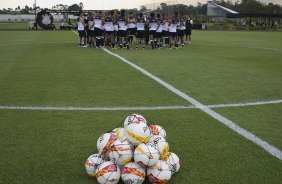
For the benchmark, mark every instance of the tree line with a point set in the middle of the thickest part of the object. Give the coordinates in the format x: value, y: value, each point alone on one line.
x: 241, y: 6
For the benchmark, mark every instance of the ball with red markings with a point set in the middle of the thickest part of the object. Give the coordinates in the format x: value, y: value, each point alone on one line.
x: 108, y: 173
x: 133, y: 173
x: 159, y: 173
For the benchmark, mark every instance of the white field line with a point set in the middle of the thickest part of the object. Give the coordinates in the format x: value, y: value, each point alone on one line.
x: 241, y: 46
x: 120, y: 108
x: 248, y: 135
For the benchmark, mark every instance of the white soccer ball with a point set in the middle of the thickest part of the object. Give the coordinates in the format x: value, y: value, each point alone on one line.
x: 173, y: 161
x: 120, y: 133
x: 121, y: 152
x: 137, y: 133
x: 158, y: 130
x: 92, y: 162
x: 134, y: 118
x: 133, y: 173
x: 104, y: 143
x: 108, y: 173
x: 161, y: 145
x: 146, y: 155
x: 159, y: 173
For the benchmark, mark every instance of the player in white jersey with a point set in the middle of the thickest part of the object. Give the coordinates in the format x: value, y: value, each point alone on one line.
x: 165, y: 30
x: 182, y: 29
x: 122, y: 33
x: 98, y: 21
x: 153, y: 26
x: 159, y: 32
x: 172, y: 32
x: 141, y: 32
x: 109, y: 29
x: 131, y: 26
x: 81, y: 30
x: 91, y: 29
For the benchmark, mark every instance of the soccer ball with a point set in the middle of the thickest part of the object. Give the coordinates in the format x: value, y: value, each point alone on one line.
x: 92, y: 163
x: 146, y: 155
x: 121, y: 152
x: 134, y: 118
x: 104, y: 142
x: 173, y: 162
x: 158, y: 130
x: 161, y: 145
x: 138, y: 133
x: 120, y: 133
x: 160, y: 173
x: 108, y: 173
x: 133, y: 173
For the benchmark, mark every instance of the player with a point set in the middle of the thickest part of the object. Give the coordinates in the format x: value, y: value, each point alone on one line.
x: 109, y: 29
x: 141, y: 31
x: 122, y: 34
x: 172, y: 32
x: 98, y: 30
x: 131, y: 27
x: 189, y: 26
x: 159, y: 31
x: 91, y: 29
x: 81, y: 30
x: 153, y: 26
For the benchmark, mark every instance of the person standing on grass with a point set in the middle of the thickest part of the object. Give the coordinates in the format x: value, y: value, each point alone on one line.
x: 153, y: 26
x: 141, y: 31
x: 81, y: 30
x: 189, y: 26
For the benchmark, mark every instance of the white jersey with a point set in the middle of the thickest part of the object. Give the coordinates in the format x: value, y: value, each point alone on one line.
x: 122, y: 24
x: 80, y: 24
x: 153, y: 24
x: 109, y: 26
x: 165, y: 26
x: 141, y: 24
x: 91, y: 24
x: 98, y: 22
x: 172, y: 27
x: 160, y: 28
x: 132, y: 24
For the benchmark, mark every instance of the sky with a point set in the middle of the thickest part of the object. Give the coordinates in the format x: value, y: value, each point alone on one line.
x: 99, y: 4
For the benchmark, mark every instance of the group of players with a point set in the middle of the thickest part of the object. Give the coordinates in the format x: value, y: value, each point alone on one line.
x: 115, y: 29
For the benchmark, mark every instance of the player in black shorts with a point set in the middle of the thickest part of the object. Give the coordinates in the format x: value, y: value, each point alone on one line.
x: 189, y: 26
x: 141, y: 31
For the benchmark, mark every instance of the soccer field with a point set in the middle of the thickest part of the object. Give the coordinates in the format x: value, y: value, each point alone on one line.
x: 56, y: 99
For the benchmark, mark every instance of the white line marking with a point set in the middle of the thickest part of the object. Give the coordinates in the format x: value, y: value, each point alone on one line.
x: 261, y: 143
x: 245, y: 104
x: 119, y: 108
x: 241, y: 46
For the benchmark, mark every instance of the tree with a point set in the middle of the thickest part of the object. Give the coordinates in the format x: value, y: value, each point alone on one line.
x: 74, y: 7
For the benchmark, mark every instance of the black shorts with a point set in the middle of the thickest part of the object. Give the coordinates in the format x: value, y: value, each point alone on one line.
x: 159, y: 34
x: 81, y: 33
x: 172, y: 34
x: 188, y: 32
x: 91, y: 33
x: 109, y: 32
x: 122, y: 33
x: 165, y: 33
x: 152, y: 32
x: 181, y: 33
x: 97, y: 32
x: 141, y: 34
x: 131, y: 31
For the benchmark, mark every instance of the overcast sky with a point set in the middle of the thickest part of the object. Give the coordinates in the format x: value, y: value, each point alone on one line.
x: 99, y: 4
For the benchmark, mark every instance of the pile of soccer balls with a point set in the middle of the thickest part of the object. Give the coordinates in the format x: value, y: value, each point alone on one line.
x: 131, y: 153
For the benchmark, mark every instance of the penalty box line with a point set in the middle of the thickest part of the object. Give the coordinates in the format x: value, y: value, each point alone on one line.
x: 122, y: 108
x: 230, y: 124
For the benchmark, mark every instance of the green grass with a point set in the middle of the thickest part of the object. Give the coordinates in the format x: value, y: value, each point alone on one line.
x: 46, y: 68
